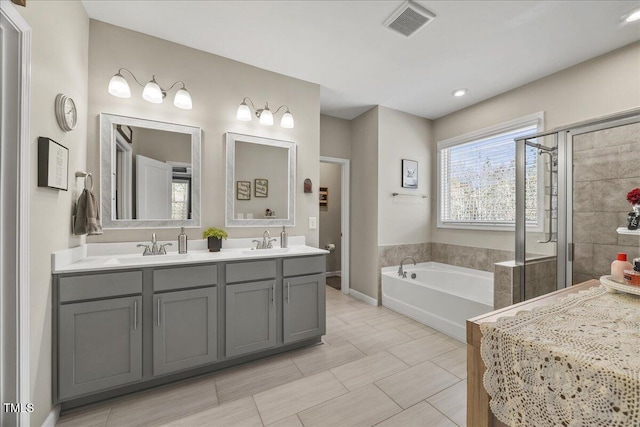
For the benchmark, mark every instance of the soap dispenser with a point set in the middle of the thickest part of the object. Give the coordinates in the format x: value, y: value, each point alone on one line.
x: 182, y: 242
x: 284, y: 238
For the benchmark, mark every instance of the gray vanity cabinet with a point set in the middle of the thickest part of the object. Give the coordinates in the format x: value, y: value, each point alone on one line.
x: 100, y: 345
x: 251, y: 317
x: 184, y: 330
x: 304, y: 307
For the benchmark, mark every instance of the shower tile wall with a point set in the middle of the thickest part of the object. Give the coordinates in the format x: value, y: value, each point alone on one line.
x: 606, y: 167
x: 468, y: 256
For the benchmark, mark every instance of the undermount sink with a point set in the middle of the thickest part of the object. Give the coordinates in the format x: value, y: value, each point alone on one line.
x: 151, y: 259
x: 266, y: 252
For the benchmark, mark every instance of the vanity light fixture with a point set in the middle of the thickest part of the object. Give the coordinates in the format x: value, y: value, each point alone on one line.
x: 459, y: 92
x: 265, y: 115
x: 152, y: 92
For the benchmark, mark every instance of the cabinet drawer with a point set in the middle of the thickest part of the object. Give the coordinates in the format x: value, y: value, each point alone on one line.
x: 303, y: 266
x: 104, y: 285
x: 251, y: 270
x: 167, y: 279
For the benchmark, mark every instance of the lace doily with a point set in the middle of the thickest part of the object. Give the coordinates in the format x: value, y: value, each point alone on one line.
x: 575, y: 362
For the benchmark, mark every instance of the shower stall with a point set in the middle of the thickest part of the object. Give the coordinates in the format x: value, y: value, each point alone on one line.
x: 571, y: 207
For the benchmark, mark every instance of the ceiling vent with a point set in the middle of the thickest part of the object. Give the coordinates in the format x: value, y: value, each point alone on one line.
x: 409, y: 18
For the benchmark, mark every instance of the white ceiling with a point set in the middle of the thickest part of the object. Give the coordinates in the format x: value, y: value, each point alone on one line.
x: 488, y: 47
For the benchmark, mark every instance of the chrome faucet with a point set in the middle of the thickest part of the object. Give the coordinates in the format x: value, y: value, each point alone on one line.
x: 154, y: 248
x: 401, y: 271
x: 266, y: 243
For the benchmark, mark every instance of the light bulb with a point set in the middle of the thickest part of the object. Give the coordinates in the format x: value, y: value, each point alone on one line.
x: 183, y: 99
x: 119, y: 87
x: 266, y: 117
x: 152, y: 92
x: 287, y: 120
x: 459, y: 92
x: 633, y: 16
x: 244, y: 113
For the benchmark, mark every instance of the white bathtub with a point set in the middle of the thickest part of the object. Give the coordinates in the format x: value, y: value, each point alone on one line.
x: 441, y: 296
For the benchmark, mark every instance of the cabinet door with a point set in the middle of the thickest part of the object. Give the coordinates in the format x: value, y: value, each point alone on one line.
x: 100, y: 345
x: 304, y: 307
x: 251, y: 317
x: 184, y: 330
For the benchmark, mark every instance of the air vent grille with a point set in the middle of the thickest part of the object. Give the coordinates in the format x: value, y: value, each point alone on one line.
x: 409, y: 18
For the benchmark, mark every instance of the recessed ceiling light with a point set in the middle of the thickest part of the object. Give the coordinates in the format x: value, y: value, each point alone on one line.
x: 632, y: 16
x: 459, y: 92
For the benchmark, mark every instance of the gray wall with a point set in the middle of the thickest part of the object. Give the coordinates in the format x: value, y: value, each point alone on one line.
x: 335, y: 137
x: 330, y: 221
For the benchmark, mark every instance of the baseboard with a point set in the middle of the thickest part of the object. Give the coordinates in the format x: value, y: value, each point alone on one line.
x: 334, y: 273
x: 363, y: 297
x: 52, y: 418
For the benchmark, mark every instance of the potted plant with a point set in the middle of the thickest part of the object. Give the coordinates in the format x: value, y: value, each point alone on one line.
x: 633, y: 219
x: 214, y: 238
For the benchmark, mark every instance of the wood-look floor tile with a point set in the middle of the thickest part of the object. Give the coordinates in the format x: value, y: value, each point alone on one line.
x: 292, y: 421
x: 91, y: 417
x: 355, y: 315
x: 321, y: 358
x: 454, y: 341
x: 368, y: 370
x: 157, y: 406
x: 452, y: 402
x: 239, y: 413
x: 363, y: 407
x: 417, y: 383
x: 419, y: 415
x: 421, y: 350
x: 380, y: 341
x: 338, y: 308
x: 289, y: 399
x: 388, y: 322
x: 454, y: 361
x: 416, y: 330
x: 333, y: 321
x: 354, y: 330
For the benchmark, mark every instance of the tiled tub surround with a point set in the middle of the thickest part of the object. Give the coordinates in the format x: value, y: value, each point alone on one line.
x: 540, y: 279
x: 605, y: 169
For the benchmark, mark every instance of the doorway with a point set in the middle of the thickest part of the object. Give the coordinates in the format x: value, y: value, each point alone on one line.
x: 333, y: 200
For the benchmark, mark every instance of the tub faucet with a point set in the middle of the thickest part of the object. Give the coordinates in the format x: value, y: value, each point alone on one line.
x: 401, y: 271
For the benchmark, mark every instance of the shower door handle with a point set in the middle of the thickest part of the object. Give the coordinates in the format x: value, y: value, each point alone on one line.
x: 550, y: 198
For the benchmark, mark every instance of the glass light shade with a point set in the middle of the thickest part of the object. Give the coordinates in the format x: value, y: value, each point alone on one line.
x: 183, y: 99
x: 244, y: 113
x: 119, y: 87
x: 152, y: 93
x: 633, y: 16
x: 287, y: 120
x: 266, y: 117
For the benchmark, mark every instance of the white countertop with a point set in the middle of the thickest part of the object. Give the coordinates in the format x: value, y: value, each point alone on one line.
x: 118, y: 256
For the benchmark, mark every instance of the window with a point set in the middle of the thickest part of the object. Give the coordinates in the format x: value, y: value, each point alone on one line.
x: 477, y: 178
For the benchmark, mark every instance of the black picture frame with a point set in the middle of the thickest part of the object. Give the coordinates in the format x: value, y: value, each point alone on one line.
x: 261, y: 187
x: 53, y: 164
x: 409, y: 173
x: 243, y: 190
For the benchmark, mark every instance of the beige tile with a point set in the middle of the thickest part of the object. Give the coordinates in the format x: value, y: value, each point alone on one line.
x: 321, y: 358
x: 416, y: 330
x: 289, y: 399
x: 379, y: 341
x: 333, y: 321
x: 92, y: 417
x: 421, y: 350
x: 419, y: 415
x: 454, y: 361
x: 388, y: 322
x: 453, y: 341
x: 367, y: 370
x: 412, y: 385
x: 452, y: 402
x: 368, y: 312
x: 363, y: 407
x: 354, y: 330
x: 151, y: 408
x: 240, y: 413
x: 292, y: 421
x: 249, y: 379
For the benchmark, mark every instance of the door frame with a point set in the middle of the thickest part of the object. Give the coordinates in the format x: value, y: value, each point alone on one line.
x: 11, y: 15
x: 344, y: 218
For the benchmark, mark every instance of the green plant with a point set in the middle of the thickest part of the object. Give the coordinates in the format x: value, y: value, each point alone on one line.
x: 218, y: 233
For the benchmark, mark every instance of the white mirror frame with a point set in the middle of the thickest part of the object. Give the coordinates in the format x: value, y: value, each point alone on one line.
x: 230, y: 221
x: 107, y: 172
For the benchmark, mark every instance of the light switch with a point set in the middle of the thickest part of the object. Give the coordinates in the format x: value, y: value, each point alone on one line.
x: 313, y: 223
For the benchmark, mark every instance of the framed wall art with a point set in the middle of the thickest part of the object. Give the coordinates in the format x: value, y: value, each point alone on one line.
x: 243, y: 190
x: 261, y: 187
x: 53, y: 164
x: 409, y: 173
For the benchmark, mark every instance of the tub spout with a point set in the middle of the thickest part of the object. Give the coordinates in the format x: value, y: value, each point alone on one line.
x: 401, y: 271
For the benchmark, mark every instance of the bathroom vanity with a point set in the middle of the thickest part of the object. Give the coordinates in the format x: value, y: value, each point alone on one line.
x: 122, y: 324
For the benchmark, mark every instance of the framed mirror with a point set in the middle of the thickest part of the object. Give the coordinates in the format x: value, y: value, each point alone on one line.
x: 261, y: 176
x: 149, y: 173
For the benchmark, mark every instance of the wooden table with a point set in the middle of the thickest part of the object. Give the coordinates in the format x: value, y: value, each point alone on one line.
x: 478, y: 412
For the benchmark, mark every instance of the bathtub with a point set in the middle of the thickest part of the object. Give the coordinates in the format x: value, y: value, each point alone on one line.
x: 441, y: 296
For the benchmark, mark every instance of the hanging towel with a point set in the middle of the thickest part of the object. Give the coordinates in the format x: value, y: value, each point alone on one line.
x: 87, y: 215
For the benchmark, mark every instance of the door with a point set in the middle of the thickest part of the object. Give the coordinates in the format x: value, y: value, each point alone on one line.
x: 251, y: 317
x: 185, y: 330
x: 100, y: 345
x: 303, y: 307
x: 153, y: 188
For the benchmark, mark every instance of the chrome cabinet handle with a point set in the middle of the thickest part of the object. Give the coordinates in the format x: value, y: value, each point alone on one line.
x: 158, y: 311
x: 273, y: 295
x: 135, y: 315
x: 288, y: 289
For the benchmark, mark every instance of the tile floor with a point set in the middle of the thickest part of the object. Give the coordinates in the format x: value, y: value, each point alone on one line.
x: 376, y: 367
